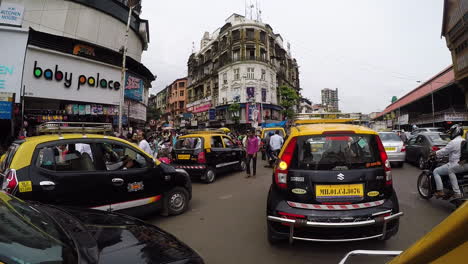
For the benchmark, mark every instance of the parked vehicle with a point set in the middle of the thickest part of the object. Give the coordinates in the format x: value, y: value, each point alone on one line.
x: 427, y: 187
x: 419, y: 147
x: 445, y: 243
x: 427, y: 129
x: 205, y: 154
x: 32, y: 232
x: 333, y: 183
x: 395, y: 148
x: 93, y: 171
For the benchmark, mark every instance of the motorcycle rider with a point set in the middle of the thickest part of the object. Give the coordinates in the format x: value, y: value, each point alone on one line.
x: 453, y: 151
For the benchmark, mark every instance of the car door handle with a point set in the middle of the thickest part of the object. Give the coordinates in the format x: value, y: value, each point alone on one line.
x: 117, y: 181
x: 47, y: 185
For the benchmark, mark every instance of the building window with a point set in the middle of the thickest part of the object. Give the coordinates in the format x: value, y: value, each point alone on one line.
x: 182, y: 84
x: 250, y: 34
x: 250, y: 53
x: 236, y: 74
x: 236, y: 55
x: 181, y: 93
x: 263, y: 78
x: 225, y: 78
x: 181, y: 104
x: 250, y: 73
x: 236, y: 35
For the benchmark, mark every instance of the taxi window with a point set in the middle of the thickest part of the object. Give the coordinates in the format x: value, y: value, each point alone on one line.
x: 66, y: 157
x: 189, y: 143
x: 335, y: 152
x: 273, y: 131
x: 5, y: 164
x: 228, y: 142
x: 216, y: 142
x: 120, y: 157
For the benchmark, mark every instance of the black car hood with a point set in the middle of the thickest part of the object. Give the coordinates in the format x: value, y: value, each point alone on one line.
x: 123, y: 239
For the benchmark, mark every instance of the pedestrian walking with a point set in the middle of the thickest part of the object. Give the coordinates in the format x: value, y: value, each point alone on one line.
x: 251, y: 153
x: 143, y: 144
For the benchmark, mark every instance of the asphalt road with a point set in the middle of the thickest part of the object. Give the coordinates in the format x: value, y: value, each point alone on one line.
x: 226, y: 222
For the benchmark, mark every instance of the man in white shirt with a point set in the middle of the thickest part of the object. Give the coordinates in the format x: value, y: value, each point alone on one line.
x: 276, y: 141
x: 143, y: 144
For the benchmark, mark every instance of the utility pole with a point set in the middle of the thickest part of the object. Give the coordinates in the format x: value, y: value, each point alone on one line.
x: 131, y: 5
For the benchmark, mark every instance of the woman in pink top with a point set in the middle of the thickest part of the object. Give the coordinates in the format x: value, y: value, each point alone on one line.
x: 251, y: 152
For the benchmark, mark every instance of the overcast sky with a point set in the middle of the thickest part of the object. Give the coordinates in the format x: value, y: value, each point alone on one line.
x: 369, y: 49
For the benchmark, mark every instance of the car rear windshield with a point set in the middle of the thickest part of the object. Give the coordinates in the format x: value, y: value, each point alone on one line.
x: 5, y: 164
x: 439, y: 139
x: 273, y: 131
x: 336, y: 152
x: 189, y: 143
x: 389, y: 137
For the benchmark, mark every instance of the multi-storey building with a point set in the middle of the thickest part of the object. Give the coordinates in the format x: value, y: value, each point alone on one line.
x: 161, y: 101
x: 245, y: 62
x: 330, y: 99
x: 176, y: 100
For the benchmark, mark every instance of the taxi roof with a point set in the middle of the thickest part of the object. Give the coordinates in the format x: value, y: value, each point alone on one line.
x: 203, y: 135
x: 313, y: 129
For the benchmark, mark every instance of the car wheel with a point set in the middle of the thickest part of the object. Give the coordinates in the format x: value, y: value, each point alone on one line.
x: 424, y: 185
x: 421, y: 163
x: 271, y: 238
x: 210, y: 175
x: 242, y: 166
x: 176, y: 201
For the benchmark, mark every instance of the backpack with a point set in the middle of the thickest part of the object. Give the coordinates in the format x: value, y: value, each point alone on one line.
x: 464, y: 151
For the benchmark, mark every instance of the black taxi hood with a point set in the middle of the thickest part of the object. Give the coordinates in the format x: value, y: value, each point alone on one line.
x: 123, y: 239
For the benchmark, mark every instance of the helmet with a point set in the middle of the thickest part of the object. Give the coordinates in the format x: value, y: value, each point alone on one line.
x: 455, y: 131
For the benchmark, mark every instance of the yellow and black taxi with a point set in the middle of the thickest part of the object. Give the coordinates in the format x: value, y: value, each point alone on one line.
x: 93, y: 171
x: 332, y: 183
x: 272, y: 130
x: 33, y: 232
x: 206, y: 153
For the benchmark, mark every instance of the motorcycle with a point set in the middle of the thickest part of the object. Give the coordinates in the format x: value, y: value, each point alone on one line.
x: 427, y: 187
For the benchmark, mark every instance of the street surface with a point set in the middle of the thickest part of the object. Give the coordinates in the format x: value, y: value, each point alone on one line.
x: 226, y: 222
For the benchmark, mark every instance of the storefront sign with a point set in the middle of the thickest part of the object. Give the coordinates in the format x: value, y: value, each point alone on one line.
x: 134, y: 88
x: 80, y: 49
x: 403, y: 119
x: 212, y: 114
x: 5, y: 109
x: 13, y: 45
x: 201, y: 101
x: 194, y: 123
x: 201, y: 108
x: 137, y: 110
x: 53, y: 75
x: 11, y: 14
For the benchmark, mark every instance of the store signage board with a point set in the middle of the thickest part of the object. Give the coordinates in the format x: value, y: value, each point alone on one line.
x: 66, y: 77
x: 11, y: 14
x: 5, y: 109
x: 11, y: 63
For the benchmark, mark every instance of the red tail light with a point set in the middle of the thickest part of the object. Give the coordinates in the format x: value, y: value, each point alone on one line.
x: 10, y: 183
x: 403, y: 149
x: 201, y: 157
x: 281, y: 169
x: 290, y: 216
x: 435, y: 148
x: 385, y: 162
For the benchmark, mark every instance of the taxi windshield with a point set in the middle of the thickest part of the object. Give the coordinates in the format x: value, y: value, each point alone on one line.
x: 189, y: 143
x: 336, y: 152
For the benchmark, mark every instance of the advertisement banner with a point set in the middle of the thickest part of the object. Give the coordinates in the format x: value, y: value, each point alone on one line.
x: 250, y: 93
x: 252, y: 112
x: 212, y: 114
x: 5, y: 110
x: 53, y: 75
x: 201, y: 108
x: 13, y: 45
x: 134, y: 88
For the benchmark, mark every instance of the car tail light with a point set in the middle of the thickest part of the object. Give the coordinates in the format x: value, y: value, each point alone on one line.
x: 281, y: 169
x: 10, y: 183
x: 201, y: 157
x: 385, y: 162
x: 290, y: 216
x: 435, y: 148
x: 403, y: 149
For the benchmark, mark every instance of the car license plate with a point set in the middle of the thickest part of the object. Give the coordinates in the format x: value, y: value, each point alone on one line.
x: 135, y: 186
x: 183, y: 157
x: 390, y: 149
x: 339, y: 191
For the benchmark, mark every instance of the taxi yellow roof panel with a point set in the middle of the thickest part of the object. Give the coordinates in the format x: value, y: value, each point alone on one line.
x: 202, y: 135
x: 52, y: 137
x: 314, y: 129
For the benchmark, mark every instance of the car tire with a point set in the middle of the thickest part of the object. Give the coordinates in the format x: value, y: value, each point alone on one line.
x: 242, y: 165
x: 421, y: 163
x: 210, y: 175
x: 271, y: 238
x: 176, y: 201
x: 424, y: 185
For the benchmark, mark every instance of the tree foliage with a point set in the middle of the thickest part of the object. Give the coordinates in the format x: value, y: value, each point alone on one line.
x: 289, y: 99
x: 234, y: 109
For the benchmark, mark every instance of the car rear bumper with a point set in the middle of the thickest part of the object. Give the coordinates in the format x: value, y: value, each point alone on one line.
x: 191, y: 169
x: 378, y: 222
x: 396, y: 156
